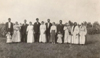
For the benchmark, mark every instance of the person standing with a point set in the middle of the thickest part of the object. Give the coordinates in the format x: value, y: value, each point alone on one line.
x: 67, y: 33
x: 9, y: 30
x: 42, y: 32
x: 60, y: 32
x: 53, y: 32
x: 30, y: 33
x: 16, y: 34
x: 83, y: 32
x: 37, y: 30
x: 75, y: 34
x: 48, y: 27
x: 23, y: 31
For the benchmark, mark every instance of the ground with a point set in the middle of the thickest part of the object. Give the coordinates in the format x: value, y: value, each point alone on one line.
x: 40, y: 50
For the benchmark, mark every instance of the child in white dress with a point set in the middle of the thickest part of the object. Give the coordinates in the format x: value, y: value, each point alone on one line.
x: 59, y: 40
x: 8, y: 38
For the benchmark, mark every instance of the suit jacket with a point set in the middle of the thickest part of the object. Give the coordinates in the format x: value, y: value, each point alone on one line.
x: 37, y: 27
x: 60, y: 28
x: 48, y: 28
x: 9, y: 29
x: 24, y: 28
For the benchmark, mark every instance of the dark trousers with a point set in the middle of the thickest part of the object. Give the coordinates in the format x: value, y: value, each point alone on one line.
x: 48, y: 37
x: 36, y: 37
x: 24, y: 38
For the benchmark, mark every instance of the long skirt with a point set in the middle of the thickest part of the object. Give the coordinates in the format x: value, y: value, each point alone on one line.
x: 82, y: 38
x: 53, y: 34
x: 67, y: 39
x: 30, y: 37
x: 42, y: 36
x: 16, y: 36
x: 75, y: 39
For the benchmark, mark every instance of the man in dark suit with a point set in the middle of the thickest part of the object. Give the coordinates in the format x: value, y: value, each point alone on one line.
x: 9, y: 26
x: 48, y: 27
x: 37, y: 30
x: 23, y: 31
x: 60, y: 30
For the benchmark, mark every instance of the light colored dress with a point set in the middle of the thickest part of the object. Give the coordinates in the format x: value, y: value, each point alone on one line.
x: 16, y: 34
x: 42, y: 33
x: 59, y: 40
x: 8, y: 38
x: 67, y: 36
x: 75, y: 37
x: 30, y: 35
x: 83, y: 32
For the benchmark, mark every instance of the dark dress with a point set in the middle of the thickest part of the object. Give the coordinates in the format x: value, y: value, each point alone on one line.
x: 23, y: 33
x: 37, y: 31
x: 48, y: 31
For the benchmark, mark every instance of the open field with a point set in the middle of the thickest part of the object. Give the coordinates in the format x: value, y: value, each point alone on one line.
x: 48, y: 50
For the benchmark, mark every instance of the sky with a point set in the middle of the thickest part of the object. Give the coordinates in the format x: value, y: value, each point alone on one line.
x: 55, y: 10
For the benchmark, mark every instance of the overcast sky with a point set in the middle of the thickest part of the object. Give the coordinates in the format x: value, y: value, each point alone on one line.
x: 74, y: 10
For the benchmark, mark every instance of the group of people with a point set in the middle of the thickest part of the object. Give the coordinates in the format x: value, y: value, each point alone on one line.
x: 45, y: 32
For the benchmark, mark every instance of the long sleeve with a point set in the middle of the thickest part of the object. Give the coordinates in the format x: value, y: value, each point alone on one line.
x: 77, y: 30
x: 64, y: 28
x: 85, y: 30
x: 55, y: 29
x: 27, y: 29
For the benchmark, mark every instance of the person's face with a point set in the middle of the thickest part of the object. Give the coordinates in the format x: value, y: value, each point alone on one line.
x: 53, y: 23
x: 30, y: 23
x: 75, y: 24
x: 25, y: 21
x: 60, y: 22
x: 48, y: 20
x: 42, y: 23
x: 16, y: 23
x: 9, y: 20
x: 37, y: 20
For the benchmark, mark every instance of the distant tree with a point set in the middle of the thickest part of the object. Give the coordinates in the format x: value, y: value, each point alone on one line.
x: 89, y: 25
x: 96, y: 27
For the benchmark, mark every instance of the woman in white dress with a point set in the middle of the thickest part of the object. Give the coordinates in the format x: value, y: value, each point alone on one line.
x: 75, y: 34
x: 67, y: 34
x: 16, y: 34
x: 83, y: 32
x: 30, y: 31
x: 42, y: 33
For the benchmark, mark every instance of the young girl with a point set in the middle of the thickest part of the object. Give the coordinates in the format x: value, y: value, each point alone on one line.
x: 8, y: 38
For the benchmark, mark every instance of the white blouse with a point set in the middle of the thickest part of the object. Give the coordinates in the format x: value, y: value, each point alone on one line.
x: 53, y: 28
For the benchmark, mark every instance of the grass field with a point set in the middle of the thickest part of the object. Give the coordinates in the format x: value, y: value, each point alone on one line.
x: 40, y: 50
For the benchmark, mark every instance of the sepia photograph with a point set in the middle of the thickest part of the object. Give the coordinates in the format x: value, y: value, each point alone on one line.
x: 49, y: 28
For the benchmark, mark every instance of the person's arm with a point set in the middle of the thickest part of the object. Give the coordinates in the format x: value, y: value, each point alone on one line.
x: 85, y: 30
x: 50, y: 29
x: 27, y: 29
x: 78, y: 30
